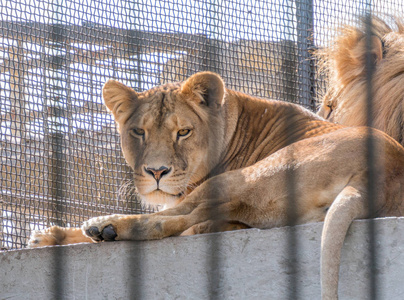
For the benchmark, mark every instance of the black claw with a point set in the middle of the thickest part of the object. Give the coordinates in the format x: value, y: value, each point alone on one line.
x: 93, y: 232
x: 108, y: 233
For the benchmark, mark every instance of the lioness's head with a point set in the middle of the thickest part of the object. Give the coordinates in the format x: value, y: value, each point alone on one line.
x: 172, y: 135
x: 345, y: 101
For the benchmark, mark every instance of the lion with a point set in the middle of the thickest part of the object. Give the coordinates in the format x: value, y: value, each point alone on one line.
x: 344, y: 63
x: 220, y: 160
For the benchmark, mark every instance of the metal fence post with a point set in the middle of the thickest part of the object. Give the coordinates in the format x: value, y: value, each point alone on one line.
x: 305, y: 65
x: 371, y: 157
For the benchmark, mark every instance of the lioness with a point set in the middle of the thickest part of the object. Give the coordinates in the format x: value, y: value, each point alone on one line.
x: 219, y: 159
x: 345, y: 101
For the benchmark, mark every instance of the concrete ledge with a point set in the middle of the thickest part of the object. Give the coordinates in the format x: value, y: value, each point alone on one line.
x: 247, y: 264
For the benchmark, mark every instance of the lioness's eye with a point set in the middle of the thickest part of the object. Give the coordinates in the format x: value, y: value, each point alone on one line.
x: 138, y: 131
x: 183, y: 132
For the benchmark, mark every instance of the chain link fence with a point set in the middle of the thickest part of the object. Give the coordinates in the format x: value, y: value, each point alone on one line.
x: 61, y: 161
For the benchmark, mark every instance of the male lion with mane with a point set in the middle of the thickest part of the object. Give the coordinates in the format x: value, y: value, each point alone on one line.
x: 220, y: 160
x: 344, y: 62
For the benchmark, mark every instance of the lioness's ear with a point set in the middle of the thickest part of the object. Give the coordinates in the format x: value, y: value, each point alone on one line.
x: 208, y: 88
x: 119, y: 99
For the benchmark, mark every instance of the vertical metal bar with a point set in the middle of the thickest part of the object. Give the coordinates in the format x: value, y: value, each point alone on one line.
x: 135, y: 267
x: 289, y: 77
x: 304, y: 83
x: 56, y: 61
x: 304, y: 29
x: 67, y: 114
x: 212, y: 63
x: 2, y: 206
x: 292, y: 242
x: 288, y: 52
x: 370, y: 157
x: 305, y: 66
x: 57, y: 96
x: 57, y: 172
x: 293, y: 83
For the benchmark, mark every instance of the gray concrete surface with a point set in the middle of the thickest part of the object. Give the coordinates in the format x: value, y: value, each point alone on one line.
x: 247, y: 264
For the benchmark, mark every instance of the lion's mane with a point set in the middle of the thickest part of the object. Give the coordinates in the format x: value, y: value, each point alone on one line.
x: 344, y: 63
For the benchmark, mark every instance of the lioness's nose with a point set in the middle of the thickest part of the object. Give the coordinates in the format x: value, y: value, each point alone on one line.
x: 157, y: 173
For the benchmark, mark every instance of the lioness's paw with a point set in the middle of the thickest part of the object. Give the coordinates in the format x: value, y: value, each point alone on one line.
x: 56, y: 235
x: 102, y: 228
x: 47, y: 237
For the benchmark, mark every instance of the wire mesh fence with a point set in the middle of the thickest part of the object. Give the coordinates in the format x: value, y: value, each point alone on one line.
x: 61, y: 158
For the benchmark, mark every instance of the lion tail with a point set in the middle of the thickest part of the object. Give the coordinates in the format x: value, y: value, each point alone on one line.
x: 348, y: 205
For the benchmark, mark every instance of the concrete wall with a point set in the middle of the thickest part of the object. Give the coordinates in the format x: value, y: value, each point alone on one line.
x: 247, y: 264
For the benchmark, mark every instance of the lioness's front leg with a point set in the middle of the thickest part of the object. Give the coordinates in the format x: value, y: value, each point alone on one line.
x: 197, y: 208
x: 222, y: 198
x: 135, y: 227
x: 211, y: 226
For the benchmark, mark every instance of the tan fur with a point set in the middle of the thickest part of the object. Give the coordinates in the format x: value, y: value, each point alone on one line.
x: 56, y: 235
x: 233, y: 167
x: 344, y: 62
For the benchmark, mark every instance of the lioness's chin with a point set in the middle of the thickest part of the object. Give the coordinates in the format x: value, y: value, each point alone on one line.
x: 161, y: 199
